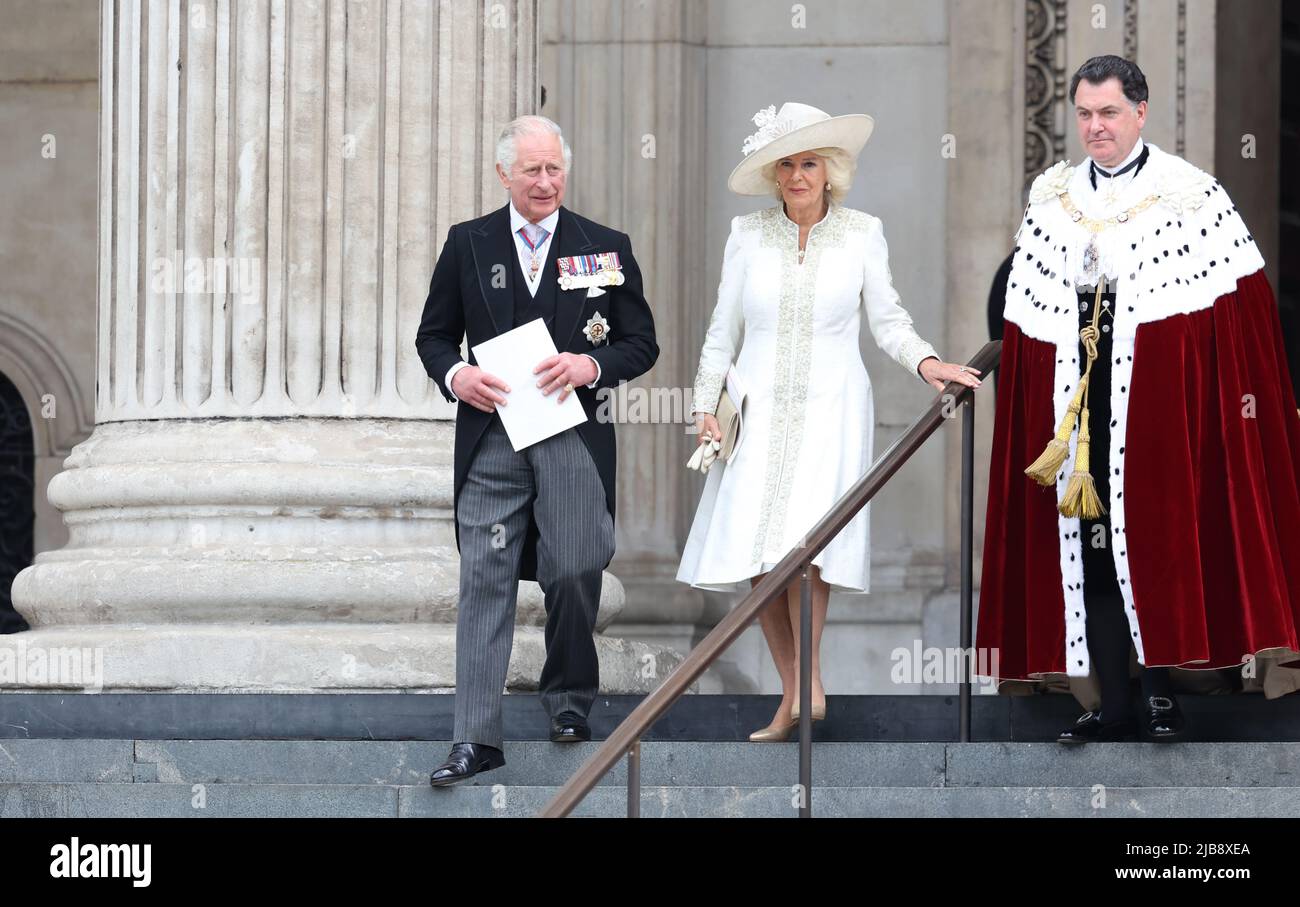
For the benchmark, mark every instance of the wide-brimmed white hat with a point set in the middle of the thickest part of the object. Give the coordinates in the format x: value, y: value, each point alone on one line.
x: 792, y: 129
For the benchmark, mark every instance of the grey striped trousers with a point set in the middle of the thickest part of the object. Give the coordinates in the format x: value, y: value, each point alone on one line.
x: 556, y: 482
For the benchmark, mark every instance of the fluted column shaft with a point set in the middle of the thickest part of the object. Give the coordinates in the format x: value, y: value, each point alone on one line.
x: 276, y: 179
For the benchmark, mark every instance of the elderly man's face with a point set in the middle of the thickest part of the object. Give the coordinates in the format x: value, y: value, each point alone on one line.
x: 1108, y: 123
x: 536, y: 181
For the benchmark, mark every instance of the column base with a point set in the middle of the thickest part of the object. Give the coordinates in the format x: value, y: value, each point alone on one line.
x: 298, y: 658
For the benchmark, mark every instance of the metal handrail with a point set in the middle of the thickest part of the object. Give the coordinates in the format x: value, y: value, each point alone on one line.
x: 626, y: 738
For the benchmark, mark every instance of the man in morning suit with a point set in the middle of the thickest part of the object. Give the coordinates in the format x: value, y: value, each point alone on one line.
x: 545, y: 512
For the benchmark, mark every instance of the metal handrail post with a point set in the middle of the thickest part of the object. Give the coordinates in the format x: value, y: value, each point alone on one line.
x: 967, y: 559
x: 805, y: 693
x: 634, y: 780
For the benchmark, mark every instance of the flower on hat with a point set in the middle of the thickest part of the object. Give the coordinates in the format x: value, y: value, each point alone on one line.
x: 769, y: 128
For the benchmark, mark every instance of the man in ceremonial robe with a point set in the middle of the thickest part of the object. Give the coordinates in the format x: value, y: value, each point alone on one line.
x: 1144, y: 492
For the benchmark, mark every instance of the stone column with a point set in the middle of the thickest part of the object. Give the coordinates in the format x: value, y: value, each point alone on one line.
x: 625, y: 80
x: 986, y: 76
x: 265, y: 501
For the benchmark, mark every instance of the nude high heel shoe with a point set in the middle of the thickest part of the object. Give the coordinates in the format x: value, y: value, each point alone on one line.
x: 773, y: 733
x: 818, y: 712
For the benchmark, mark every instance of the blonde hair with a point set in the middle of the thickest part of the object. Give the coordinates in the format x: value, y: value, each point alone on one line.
x: 840, y: 166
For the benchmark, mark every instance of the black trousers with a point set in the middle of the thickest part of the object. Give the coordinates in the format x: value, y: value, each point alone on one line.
x: 1110, y: 642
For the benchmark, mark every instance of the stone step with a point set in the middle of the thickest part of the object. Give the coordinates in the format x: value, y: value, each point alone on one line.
x: 126, y: 800
x: 700, y: 717
x: 355, y: 764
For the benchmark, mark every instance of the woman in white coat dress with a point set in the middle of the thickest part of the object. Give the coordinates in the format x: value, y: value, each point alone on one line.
x: 795, y: 278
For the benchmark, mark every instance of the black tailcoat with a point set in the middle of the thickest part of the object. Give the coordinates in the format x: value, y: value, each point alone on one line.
x: 472, y: 295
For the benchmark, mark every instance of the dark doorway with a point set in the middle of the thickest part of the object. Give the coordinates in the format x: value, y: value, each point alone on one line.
x: 1288, y: 275
x: 17, y: 498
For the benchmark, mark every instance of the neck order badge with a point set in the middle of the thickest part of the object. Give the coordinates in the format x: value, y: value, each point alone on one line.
x: 540, y: 234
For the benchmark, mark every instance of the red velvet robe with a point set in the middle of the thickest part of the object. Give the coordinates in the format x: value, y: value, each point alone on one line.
x: 1205, y: 448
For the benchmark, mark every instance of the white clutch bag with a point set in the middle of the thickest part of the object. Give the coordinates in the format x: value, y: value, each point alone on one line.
x: 729, y: 415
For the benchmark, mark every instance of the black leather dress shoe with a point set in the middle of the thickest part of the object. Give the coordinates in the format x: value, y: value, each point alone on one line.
x: 1090, y: 728
x: 1165, y: 721
x: 465, y: 761
x: 569, y: 728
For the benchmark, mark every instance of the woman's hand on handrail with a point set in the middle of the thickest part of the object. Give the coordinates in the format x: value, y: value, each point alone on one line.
x: 938, y: 373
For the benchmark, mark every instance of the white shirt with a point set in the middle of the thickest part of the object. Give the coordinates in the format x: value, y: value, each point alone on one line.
x: 517, y: 222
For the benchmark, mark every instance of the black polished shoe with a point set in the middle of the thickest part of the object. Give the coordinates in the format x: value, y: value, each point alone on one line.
x: 1165, y: 721
x: 1091, y: 729
x: 465, y: 761
x: 567, y: 727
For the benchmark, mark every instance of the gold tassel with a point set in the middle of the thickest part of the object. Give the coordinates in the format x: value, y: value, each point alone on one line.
x: 1081, y: 497
x: 1044, y: 469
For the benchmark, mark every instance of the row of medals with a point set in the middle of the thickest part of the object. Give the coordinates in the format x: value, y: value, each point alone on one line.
x: 604, y: 278
x: 599, y: 279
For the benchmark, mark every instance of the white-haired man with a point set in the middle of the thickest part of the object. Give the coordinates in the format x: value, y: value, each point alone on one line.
x: 545, y: 512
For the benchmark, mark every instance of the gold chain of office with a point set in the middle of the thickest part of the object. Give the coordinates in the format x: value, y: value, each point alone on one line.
x: 1080, y: 498
x: 1096, y: 225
